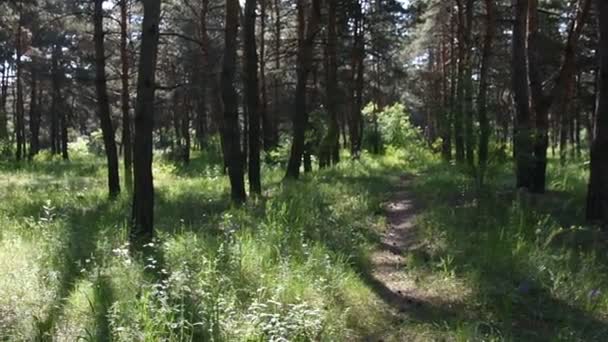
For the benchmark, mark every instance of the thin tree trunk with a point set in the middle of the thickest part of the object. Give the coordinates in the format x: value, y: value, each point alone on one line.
x: 460, y: 92
x: 486, y: 60
x: 142, y: 230
x: 19, y: 117
x: 265, y: 115
x: 468, y: 85
x: 126, y: 119
x: 103, y: 103
x: 34, y: 116
x: 3, y: 98
x: 306, y: 33
x: 523, y: 127
x: 250, y: 81
x: 234, y: 155
x: 56, y: 98
x: 597, y: 197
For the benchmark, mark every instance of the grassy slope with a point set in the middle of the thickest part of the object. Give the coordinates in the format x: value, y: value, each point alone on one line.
x: 293, y: 265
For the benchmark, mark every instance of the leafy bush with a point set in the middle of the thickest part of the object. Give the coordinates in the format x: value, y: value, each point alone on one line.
x: 389, y: 126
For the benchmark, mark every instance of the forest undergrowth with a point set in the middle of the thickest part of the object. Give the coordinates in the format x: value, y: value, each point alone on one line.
x: 294, y: 264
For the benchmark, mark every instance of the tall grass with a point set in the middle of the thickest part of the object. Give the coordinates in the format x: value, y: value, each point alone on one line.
x: 284, y: 267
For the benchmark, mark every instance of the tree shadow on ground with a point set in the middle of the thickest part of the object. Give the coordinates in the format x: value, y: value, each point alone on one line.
x: 83, y: 229
x: 480, y: 234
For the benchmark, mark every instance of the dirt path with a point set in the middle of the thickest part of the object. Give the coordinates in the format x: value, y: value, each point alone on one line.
x: 388, y: 275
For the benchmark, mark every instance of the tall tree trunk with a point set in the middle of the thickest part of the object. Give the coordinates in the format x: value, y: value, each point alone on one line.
x: 541, y: 102
x: 34, y: 116
x: 250, y: 80
x: 3, y: 98
x: 524, y: 157
x: 265, y: 115
x: 126, y: 119
x: 307, y: 31
x: 330, y: 148
x: 143, y: 189
x: 484, y: 124
x: 19, y: 117
x: 234, y: 156
x: 277, y: 103
x: 468, y: 85
x: 56, y: 98
x: 201, y: 126
x: 460, y: 92
x: 597, y: 197
x: 64, y: 132
x: 103, y: 103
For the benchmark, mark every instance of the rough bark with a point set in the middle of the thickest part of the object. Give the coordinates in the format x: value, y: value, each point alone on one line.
x: 460, y: 91
x: 55, y: 99
x: 3, y: 98
x: 233, y: 155
x: 330, y: 147
x: 34, y: 116
x: 597, y: 197
x: 469, y: 134
x: 126, y: 119
x: 142, y: 229
x: 524, y: 157
x: 541, y: 101
x: 250, y: 81
x: 103, y: 103
x: 486, y: 60
x: 20, y: 112
x: 307, y: 31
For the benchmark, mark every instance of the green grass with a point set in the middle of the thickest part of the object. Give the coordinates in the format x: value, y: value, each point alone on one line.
x: 523, y: 267
x: 493, y: 264
x: 287, y: 265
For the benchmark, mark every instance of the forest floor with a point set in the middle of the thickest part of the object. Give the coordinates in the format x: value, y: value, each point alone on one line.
x: 398, y: 247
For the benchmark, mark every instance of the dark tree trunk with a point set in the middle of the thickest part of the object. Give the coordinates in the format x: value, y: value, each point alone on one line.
x: 250, y: 81
x: 233, y: 156
x: 56, y: 98
x: 126, y: 119
x: 64, y: 133
x: 34, y: 116
x: 3, y: 98
x: 524, y: 157
x: 307, y: 31
x: 143, y: 190
x: 597, y: 197
x: 484, y: 124
x: 460, y: 91
x: 541, y: 103
x: 20, y: 112
x: 330, y: 147
x: 468, y: 85
x: 103, y: 103
x: 201, y: 126
x: 265, y: 115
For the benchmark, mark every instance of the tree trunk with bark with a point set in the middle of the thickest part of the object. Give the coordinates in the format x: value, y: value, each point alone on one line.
x: 597, y: 196
x: 234, y: 155
x: 330, y: 146
x: 142, y: 229
x: 307, y: 31
x: 103, y: 103
x: 486, y: 60
x: 250, y: 75
x: 20, y: 112
x: 126, y: 119
x: 34, y: 116
x: 523, y: 139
